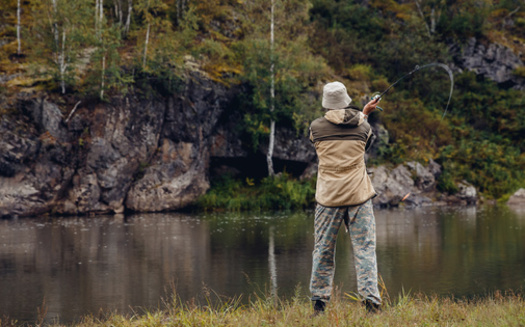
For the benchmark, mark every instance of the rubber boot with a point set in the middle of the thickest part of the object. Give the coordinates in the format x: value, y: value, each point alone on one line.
x: 319, y: 307
x: 372, y: 307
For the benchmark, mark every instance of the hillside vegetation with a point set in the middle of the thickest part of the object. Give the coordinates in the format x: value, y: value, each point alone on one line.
x: 78, y: 49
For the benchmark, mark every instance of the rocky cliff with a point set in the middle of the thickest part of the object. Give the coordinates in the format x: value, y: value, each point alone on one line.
x: 154, y: 153
x: 134, y: 152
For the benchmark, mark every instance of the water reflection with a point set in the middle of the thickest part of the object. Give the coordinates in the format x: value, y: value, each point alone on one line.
x: 82, y: 265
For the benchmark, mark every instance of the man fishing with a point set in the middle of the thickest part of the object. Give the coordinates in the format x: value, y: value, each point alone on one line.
x: 344, y: 194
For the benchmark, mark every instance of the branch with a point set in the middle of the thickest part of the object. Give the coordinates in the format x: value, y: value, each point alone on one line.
x: 72, y: 112
x: 423, y: 17
x: 509, y: 15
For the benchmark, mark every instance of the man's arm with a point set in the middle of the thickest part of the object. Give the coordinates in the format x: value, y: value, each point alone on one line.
x: 370, y: 106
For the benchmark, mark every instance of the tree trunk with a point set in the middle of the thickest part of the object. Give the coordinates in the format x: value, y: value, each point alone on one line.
x: 269, y: 155
x: 177, y: 5
x: 145, y: 48
x: 103, y: 77
x: 128, y: 19
x: 55, y: 30
x: 423, y: 17
x: 96, y: 16
x: 433, y: 21
x: 120, y: 13
x: 62, y: 63
x: 19, y: 48
x: 101, y: 13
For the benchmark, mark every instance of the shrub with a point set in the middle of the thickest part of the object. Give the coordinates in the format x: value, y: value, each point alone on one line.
x: 280, y: 192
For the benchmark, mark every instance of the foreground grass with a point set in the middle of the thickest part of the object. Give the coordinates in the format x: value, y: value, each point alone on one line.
x: 408, y: 310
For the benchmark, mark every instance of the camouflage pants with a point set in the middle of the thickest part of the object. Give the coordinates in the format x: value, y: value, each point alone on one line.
x: 360, y: 223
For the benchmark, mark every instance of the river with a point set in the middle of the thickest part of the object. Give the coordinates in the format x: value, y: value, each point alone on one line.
x: 74, y: 266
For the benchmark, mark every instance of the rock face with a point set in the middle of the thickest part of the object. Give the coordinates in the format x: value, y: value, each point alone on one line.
x: 178, y: 171
x: 115, y: 141
x: 494, y: 61
x: 136, y: 153
x: 35, y: 165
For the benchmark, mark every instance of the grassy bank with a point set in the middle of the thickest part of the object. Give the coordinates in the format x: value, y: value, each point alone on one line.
x: 407, y: 310
x: 281, y: 192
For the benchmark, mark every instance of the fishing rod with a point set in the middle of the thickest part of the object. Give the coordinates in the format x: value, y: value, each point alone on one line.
x: 417, y: 68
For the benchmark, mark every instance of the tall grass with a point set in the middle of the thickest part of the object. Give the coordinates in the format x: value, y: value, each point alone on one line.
x: 406, y: 310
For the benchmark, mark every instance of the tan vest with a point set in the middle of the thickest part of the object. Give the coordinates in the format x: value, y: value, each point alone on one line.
x: 340, y: 139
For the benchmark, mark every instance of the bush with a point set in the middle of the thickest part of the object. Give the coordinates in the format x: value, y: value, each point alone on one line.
x: 272, y: 193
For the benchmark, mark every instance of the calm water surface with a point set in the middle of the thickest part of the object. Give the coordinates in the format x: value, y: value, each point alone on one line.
x: 78, y: 266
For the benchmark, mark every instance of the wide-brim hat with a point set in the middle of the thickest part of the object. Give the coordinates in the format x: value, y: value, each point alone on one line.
x: 335, y: 96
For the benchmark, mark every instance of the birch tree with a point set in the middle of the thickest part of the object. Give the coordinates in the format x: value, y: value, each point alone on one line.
x: 99, y: 16
x: 430, y: 13
x: 271, y: 142
x: 18, y: 24
x: 146, y: 42
x: 181, y: 8
x: 106, y: 73
x: 157, y: 26
x: 60, y: 30
x: 278, y: 67
x: 128, y: 19
x: 59, y: 21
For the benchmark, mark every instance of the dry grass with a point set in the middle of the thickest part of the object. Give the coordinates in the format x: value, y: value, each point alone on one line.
x: 406, y: 310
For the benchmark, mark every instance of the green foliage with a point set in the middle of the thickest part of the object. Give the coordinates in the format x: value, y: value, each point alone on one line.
x: 271, y: 193
x: 464, y: 19
x: 105, y: 73
x: 59, y: 32
x: 496, y: 168
x: 446, y: 183
x: 520, y: 71
x: 288, y: 64
x: 486, y: 147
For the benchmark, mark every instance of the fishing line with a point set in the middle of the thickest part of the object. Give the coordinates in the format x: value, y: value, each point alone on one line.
x: 417, y: 68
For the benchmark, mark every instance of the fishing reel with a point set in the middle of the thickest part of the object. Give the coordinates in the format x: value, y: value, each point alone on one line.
x: 377, y: 95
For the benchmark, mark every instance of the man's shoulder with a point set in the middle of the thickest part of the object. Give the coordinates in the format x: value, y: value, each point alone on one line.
x: 317, y: 122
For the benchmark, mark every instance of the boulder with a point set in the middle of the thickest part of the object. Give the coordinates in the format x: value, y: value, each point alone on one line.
x: 410, y: 183
x: 467, y: 193
x: 518, y: 198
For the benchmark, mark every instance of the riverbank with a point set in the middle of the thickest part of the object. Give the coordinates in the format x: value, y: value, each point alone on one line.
x: 406, y: 310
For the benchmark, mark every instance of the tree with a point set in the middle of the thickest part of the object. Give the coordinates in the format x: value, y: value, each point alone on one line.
x: 433, y: 9
x: 61, y: 30
x: 128, y: 19
x: 19, y: 47
x: 154, y: 17
x: 271, y: 143
x: 278, y: 67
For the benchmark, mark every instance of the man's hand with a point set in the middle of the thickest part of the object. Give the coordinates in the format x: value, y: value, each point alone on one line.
x: 370, y: 106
